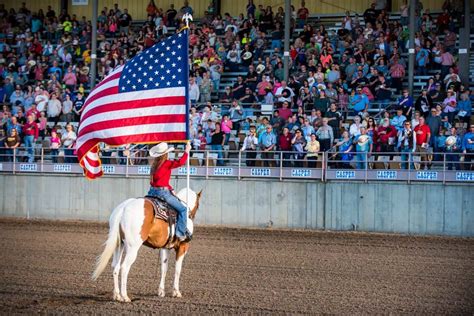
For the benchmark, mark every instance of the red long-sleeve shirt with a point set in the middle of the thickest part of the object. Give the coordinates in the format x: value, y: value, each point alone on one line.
x: 162, y: 175
x: 31, y: 129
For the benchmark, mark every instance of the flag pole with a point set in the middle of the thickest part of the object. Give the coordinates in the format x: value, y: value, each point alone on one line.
x: 186, y: 18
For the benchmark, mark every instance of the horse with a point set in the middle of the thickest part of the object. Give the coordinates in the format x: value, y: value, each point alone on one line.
x: 133, y: 224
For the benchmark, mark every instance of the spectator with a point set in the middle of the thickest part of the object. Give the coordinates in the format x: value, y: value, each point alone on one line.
x: 284, y: 144
x: 354, y: 129
x: 386, y: 134
x: 193, y: 90
x: 464, y: 108
x: 68, y: 140
x: 217, y: 143
x: 325, y: 135
x: 267, y: 142
x: 312, y: 149
x: 468, y: 148
x: 55, y: 144
x: 298, y: 144
x: 453, y: 148
x: 423, y: 135
x: 12, y: 142
x: 405, y: 102
x: 363, y: 145
x: 407, y: 144
x: 31, y: 133
x: 399, y: 120
x: 54, y: 109
x: 424, y: 103
x: 250, y: 146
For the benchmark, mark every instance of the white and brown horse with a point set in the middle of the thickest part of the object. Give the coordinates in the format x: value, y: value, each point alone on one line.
x: 133, y: 224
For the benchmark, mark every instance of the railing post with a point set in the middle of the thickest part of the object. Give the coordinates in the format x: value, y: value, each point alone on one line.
x: 323, y: 167
x: 207, y: 164
x: 444, y: 168
x: 42, y: 159
x: 127, y: 162
x: 240, y: 161
x: 409, y: 165
x: 281, y: 165
x: 14, y: 160
x: 366, y: 166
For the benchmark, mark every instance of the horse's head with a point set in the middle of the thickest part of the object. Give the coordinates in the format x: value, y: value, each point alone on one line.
x: 192, y: 213
x: 193, y: 200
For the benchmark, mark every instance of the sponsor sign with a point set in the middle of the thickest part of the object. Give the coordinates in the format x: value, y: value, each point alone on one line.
x: 386, y: 175
x: 108, y: 169
x: 427, y: 175
x: 80, y: 2
x: 301, y: 173
x: 144, y: 170
x: 464, y: 176
x: 62, y: 168
x: 260, y: 172
x: 192, y: 171
x: 28, y: 167
x: 223, y: 171
x: 344, y: 174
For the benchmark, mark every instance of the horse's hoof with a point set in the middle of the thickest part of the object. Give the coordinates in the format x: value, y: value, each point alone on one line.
x: 126, y: 299
x: 177, y: 293
x: 117, y: 297
x: 161, y: 292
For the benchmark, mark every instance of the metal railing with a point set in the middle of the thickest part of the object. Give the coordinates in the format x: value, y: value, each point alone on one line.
x: 220, y: 162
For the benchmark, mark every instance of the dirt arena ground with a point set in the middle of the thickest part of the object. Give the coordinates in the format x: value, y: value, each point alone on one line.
x: 45, y: 267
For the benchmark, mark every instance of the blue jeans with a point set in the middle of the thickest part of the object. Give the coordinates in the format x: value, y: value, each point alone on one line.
x: 452, y: 158
x: 175, y: 203
x: 362, y: 159
x: 218, y: 148
x: 54, y: 155
x: 276, y: 44
x: 29, y: 141
x: 68, y: 155
x: 405, y: 157
x: 9, y: 153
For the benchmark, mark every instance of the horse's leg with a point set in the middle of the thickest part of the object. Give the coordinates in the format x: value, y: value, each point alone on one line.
x: 180, y: 253
x: 116, y: 270
x: 131, y: 251
x: 164, y: 256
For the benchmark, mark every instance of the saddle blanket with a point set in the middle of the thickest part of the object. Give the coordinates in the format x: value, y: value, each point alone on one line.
x: 162, y: 210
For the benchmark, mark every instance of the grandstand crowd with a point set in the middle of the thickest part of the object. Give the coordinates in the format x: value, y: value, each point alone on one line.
x: 336, y: 76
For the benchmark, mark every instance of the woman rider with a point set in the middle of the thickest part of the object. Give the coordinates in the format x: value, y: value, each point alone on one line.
x: 160, y: 174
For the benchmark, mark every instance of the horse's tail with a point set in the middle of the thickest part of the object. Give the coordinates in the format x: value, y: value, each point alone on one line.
x: 113, y: 241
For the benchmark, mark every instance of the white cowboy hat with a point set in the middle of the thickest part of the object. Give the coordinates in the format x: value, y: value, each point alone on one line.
x: 247, y: 55
x: 32, y: 63
x: 450, y: 141
x: 363, y: 139
x: 84, y: 70
x: 160, y: 150
x: 260, y: 68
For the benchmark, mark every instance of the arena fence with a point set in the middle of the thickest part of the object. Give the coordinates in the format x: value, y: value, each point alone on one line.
x: 328, y: 166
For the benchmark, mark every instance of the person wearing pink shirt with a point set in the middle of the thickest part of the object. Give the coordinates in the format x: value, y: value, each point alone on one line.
x: 226, y: 126
x: 70, y: 79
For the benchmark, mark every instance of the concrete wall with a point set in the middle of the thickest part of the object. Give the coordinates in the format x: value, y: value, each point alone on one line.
x: 433, y: 209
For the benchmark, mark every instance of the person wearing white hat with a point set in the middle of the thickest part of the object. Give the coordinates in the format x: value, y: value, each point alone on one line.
x: 453, y: 149
x: 160, y: 175
x: 363, y: 147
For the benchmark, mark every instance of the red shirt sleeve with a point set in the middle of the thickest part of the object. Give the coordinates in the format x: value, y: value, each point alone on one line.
x: 176, y: 164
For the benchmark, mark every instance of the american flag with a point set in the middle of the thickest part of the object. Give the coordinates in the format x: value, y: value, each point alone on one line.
x: 143, y: 101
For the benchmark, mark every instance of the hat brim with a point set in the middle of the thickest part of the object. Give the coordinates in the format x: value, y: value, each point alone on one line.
x: 156, y: 154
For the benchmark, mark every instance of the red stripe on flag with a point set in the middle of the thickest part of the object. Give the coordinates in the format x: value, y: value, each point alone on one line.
x: 135, y: 104
x: 107, y: 79
x: 142, y: 120
x: 103, y: 93
x: 132, y: 139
